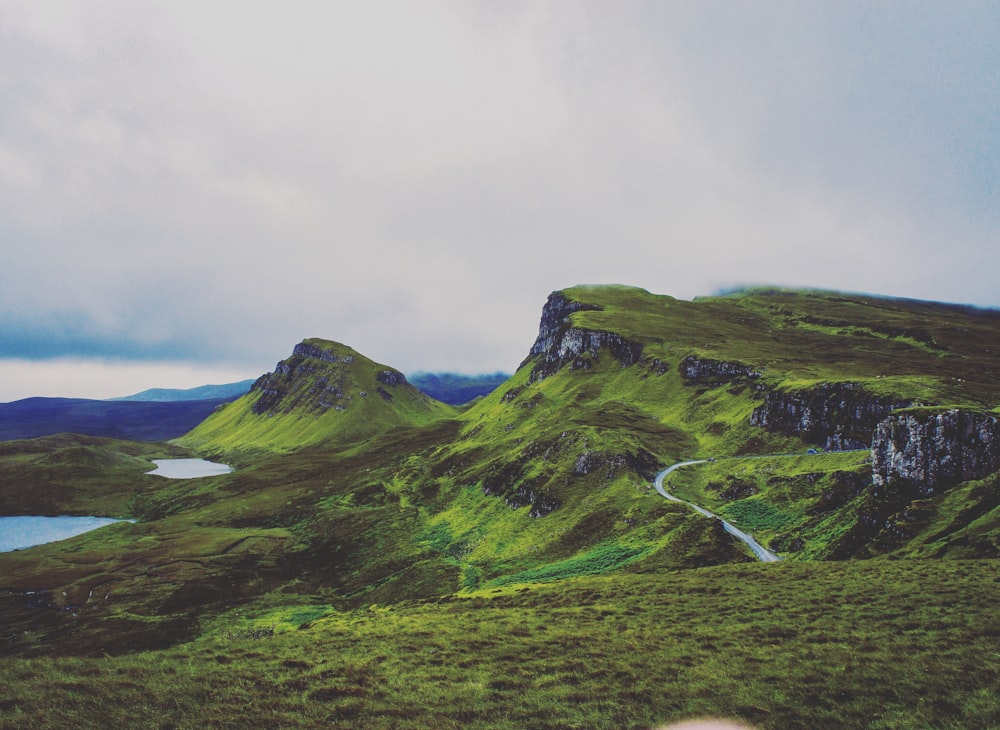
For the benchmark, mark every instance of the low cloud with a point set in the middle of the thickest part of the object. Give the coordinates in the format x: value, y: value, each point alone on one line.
x: 102, y: 379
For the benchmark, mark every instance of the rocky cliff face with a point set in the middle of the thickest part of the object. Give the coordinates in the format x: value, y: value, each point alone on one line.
x: 706, y: 371
x: 927, y: 451
x: 313, y: 351
x: 560, y: 344
x: 316, y: 378
x: 917, y: 454
x: 838, y: 416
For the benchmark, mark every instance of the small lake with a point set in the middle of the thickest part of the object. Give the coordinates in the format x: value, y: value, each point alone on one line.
x: 17, y: 533
x: 188, y: 468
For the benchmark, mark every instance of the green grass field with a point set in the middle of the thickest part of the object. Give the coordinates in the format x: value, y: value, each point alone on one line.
x: 874, y: 644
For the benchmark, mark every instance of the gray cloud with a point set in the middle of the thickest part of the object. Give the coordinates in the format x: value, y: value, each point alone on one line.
x: 212, y: 182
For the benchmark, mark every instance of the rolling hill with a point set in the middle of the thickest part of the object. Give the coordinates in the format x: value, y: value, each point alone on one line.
x: 324, y: 391
x: 383, y: 559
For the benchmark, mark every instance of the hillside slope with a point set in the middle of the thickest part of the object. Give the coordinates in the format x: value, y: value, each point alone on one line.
x: 394, y: 519
x: 324, y: 391
x: 621, y: 382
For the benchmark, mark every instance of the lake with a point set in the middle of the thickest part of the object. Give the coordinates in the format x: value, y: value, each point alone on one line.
x: 17, y: 533
x: 188, y: 468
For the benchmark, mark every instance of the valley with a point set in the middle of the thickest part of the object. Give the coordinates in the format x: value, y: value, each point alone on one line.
x: 379, y: 558
x: 761, y: 552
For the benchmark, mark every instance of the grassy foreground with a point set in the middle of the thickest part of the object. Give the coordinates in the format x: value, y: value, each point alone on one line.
x: 874, y: 644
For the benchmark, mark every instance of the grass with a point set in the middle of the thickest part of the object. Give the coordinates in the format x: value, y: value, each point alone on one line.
x: 399, y: 564
x: 602, y: 559
x: 799, y: 505
x: 935, y: 352
x: 875, y: 644
x: 75, y: 475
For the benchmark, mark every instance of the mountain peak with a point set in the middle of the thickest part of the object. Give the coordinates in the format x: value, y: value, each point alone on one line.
x: 320, y: 375
x: 324, y: 390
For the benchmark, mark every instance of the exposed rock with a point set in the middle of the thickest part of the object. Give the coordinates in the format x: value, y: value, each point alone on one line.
x: 738, y: 489
x: 840, y: 416
x: 508, y: 481
x: 588, y: 462
x: 560, y: 344
x: 658, y: 366
x: 305, y: 350
x: 917, y: 454
x: 928, y: 451
x: 555, y: 320
x: 511, y: 394
x: 543, y: 505
x: 391, y: 377
x: 846, y: 486
x: 540, y: 504
x: 314, y: 378
x: 706, y: 371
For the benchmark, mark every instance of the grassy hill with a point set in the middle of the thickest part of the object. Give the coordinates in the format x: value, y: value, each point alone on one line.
x: 381, y: 559
x: 324, y: 390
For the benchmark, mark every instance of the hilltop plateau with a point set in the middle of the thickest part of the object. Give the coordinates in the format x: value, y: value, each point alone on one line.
x: 511, y: 558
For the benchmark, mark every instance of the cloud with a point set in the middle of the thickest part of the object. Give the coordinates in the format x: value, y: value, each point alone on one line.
x: 101, y: 379
x: 214, y: 182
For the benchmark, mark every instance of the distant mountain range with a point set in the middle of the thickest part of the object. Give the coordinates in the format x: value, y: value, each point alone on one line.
x: 456, y: 389
x: 228, y: 391
x: 133, y: 420
x: 159, y: 414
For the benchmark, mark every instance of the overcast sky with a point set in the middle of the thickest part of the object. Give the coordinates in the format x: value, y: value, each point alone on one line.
x: 188, y: 189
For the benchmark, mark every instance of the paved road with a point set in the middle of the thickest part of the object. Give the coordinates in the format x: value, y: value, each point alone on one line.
x: 762, y: 553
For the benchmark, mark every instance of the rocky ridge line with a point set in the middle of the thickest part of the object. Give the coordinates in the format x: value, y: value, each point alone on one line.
x: 838, y: 416
x: 559, y: 343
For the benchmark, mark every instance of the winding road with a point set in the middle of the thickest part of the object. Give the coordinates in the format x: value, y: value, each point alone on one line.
x: 762, y: 553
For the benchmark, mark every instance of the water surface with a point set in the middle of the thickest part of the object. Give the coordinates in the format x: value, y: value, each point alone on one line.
x: 17, y: 533
x: 188, y: 468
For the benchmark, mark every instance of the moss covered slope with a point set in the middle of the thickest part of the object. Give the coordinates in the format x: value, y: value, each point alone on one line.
x: 324, y: 391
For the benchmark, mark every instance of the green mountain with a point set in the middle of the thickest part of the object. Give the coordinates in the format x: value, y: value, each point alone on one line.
x: 621, y: 382
x: 381, y: 559
x: 324, y: 390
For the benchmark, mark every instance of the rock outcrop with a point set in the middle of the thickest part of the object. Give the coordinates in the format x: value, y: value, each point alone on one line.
x: 312, y: 350
x: 277, y: 391
x: 928, y: 451
x: 510, y: 481
x: 706, y: 371
x: 391, y: 377
x: 839, y: 416
x: 560, y: 344
x: 317, y: 377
